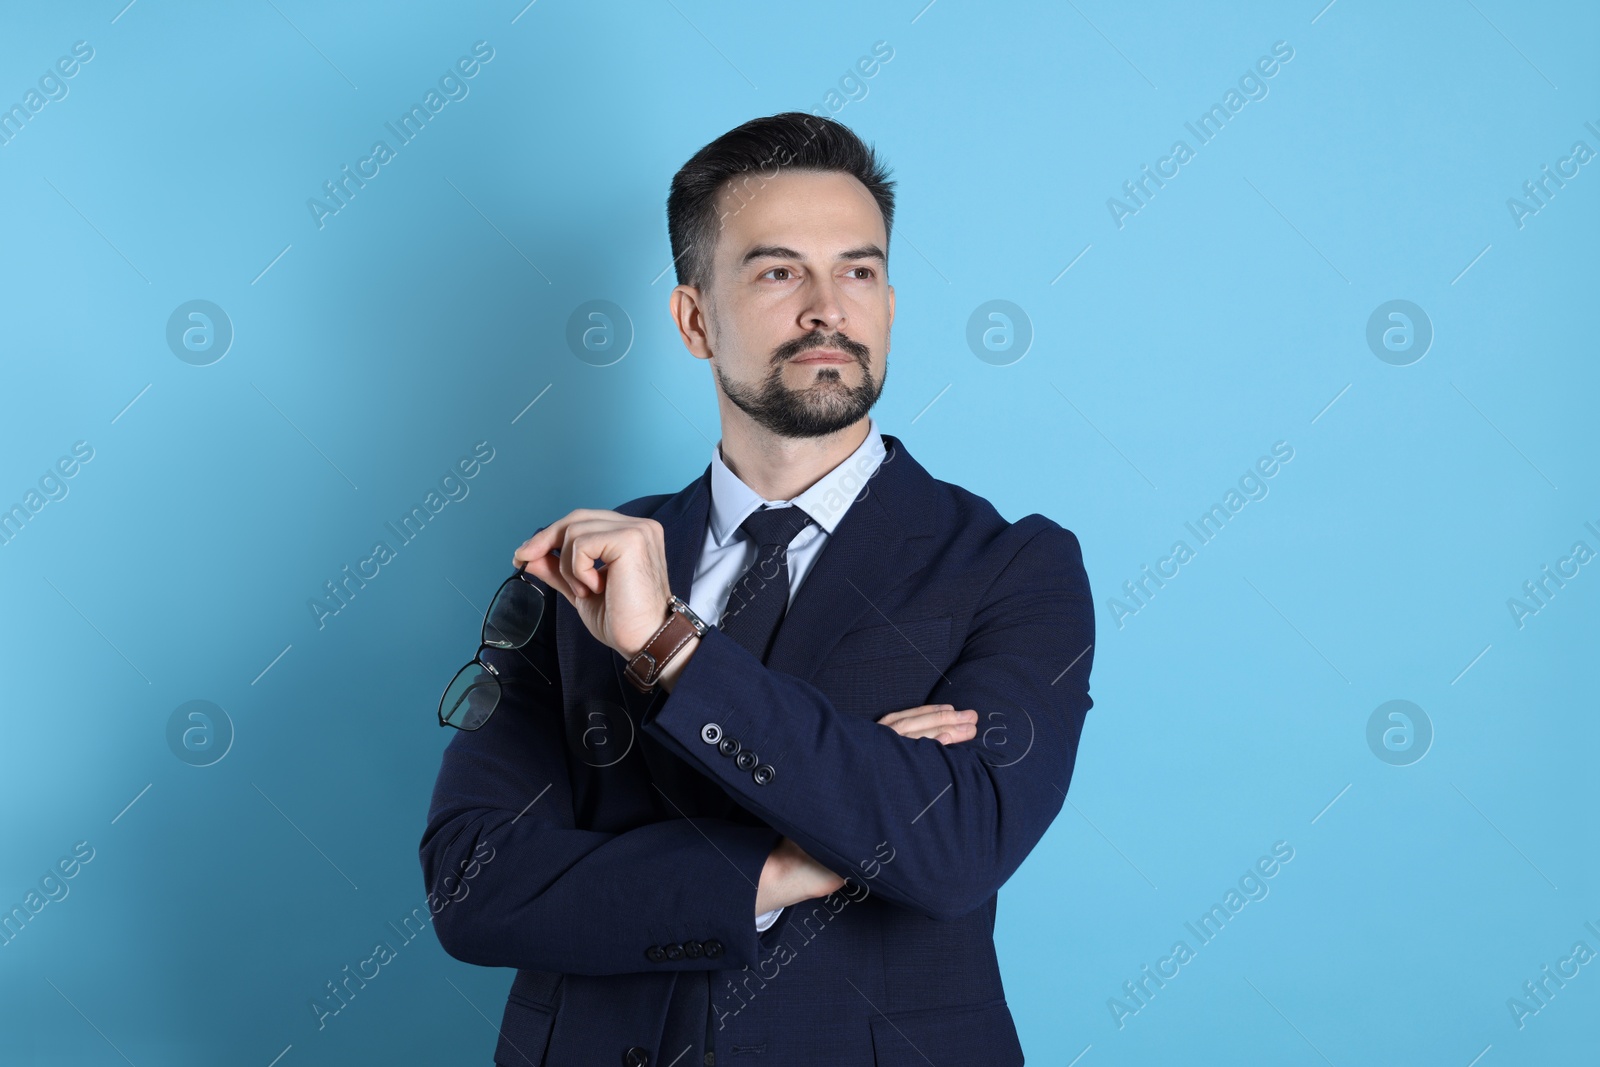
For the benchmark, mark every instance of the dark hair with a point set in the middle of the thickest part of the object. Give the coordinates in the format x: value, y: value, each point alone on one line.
x: 764, y: 146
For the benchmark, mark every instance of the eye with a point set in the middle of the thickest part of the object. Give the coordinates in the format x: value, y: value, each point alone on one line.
x: 866, y: 273
x: 785, y: 271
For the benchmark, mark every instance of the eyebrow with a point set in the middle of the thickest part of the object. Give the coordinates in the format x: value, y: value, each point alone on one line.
x: 783, y: 252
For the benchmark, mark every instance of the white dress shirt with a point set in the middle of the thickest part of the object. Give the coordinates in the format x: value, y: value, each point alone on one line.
x: 728, y: 553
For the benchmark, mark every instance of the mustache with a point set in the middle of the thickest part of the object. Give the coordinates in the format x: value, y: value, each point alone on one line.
x: 790, y: 349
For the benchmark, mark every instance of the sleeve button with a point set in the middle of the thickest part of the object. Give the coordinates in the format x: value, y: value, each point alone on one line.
x: 747, y: 760
x: 729, y: 746
x: 711, y: 733
x: 764, y: 774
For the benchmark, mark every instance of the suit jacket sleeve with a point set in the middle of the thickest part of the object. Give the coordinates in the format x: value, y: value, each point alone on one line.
x: 958, y: 818
x: 553, y: 897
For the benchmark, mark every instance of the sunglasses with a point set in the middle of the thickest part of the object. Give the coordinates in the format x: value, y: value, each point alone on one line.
x: 511, y: 621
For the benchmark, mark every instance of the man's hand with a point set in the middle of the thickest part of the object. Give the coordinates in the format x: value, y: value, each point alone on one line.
x: 622, y: 604
x: 790, y: 876
x: 942, y: 722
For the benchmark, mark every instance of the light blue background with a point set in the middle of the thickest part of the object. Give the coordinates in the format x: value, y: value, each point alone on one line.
x: 1228, y: 314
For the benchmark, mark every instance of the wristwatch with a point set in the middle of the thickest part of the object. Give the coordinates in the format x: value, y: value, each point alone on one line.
x: 644, y: 669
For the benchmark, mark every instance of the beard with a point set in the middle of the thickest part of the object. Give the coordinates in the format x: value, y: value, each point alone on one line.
x: 827, y: 405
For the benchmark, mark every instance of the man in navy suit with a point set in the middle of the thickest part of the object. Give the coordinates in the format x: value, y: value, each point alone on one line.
x: 778, y: 738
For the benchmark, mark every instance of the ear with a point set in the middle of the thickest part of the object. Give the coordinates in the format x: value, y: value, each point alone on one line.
x: 888, y: 330
x: 689, y: 313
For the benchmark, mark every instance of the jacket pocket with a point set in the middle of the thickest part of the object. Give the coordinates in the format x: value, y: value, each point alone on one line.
x: 524, y: 1033
x: 953, y: 1037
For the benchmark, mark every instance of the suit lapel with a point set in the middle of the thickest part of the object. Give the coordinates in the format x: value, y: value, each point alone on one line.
x: 877, y: 543
x: 683, y: 521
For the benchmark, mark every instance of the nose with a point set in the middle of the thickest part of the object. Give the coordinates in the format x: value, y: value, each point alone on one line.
x: 824, y: 308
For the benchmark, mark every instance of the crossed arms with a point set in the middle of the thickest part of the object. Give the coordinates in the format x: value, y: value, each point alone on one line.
x: 961, y: 817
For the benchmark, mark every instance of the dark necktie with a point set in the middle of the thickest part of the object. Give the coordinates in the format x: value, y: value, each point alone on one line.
x: 758, y: 600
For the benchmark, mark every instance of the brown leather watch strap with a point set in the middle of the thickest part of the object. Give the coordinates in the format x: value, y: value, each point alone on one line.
x: 644, y: 669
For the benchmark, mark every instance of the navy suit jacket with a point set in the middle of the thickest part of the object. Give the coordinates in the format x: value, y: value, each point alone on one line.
x: 607, y: 844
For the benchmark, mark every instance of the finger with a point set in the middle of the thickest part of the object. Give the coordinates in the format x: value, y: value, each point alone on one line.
x: 934, y: 719
x: 607, y: 546
x: 579, y: 549
x: 549, y: 538
x: 945, y: 734
x: 963, y: 730
x: 914, y: 735
x: 599, y: 540
x: 957, y: 735
x: 546, y: 559
x: 565, y: 564
x: 547, y: 570
x: 896, y: 716
x: 543, y: 541
x: 907, y: 727
x: 536, y: 557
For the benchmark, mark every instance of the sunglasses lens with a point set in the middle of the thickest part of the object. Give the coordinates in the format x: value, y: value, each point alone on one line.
x: 514, y: 615
x: 470, y: 698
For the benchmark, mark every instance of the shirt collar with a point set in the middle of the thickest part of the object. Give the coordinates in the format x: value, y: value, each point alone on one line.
x: 732, y: 500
